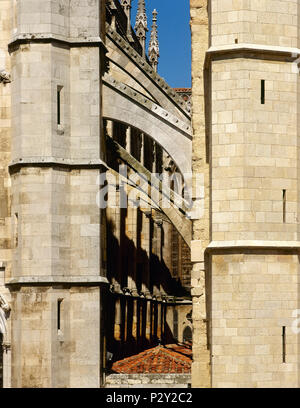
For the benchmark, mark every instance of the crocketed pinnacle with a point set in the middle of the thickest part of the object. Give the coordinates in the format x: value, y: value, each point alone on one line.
x: 153, y: 49
x: 141, y: 7
x: 126, y: 4
x: 141, y: 24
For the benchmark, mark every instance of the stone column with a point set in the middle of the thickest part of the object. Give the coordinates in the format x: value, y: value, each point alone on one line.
x: 142, y: 146
x: 128, y: 140
x: 118, y: 321
x: 132, y: 236
x: 131, y: 282
x: 113, y: 212
x: 146, y: 249
x: 157, y: 284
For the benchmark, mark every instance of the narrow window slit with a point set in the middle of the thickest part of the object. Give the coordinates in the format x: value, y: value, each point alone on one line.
x: 59, y: 89
x: 59, y: 302
x: 283, y: 344
x: 16, y: 220
x: 262, y: 91
x: 284, y: 206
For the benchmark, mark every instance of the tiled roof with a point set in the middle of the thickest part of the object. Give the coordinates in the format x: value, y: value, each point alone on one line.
x: 168, y: 359
x: 185, y: 90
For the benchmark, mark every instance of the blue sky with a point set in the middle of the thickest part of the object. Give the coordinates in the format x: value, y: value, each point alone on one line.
x: 174, y: 39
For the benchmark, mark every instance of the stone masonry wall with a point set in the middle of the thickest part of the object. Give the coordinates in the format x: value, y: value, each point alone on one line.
x: 268, y: 22
x: 51, y: 356
x: 5, y: 135
x: 5, y: 183
x: 57, y: 222
x: 200, y: 37
x: 253, y: 298
x: 148, y: 381
x: 254, y: 154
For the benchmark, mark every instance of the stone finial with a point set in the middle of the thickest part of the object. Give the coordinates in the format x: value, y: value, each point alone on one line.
x: 153, y: 50
x: 126, y: 4
x: 141, y: 24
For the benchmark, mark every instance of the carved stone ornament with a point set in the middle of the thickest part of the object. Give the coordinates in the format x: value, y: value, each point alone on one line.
x: 4, y: 76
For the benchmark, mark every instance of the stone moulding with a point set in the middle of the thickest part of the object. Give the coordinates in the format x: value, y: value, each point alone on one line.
x: 288, y: 53
x: 50, y: 280
x: 50, y: 38
x: 56, y: 162
x: 198, y: 252
x: 254, y: 244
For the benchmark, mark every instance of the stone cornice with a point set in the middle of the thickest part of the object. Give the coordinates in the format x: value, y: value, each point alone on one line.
x: 51, y: 161
x: 253, y: 244
x: 52, y: 280
x: 50, y: 38
x: 250, y: 49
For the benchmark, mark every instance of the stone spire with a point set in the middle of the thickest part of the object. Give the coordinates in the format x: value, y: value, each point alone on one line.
x: 126, y: 4
x: 153, y: 50
x: 141, y: 24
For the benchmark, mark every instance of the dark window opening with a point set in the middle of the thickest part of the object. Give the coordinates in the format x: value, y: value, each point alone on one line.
x: 263, y: 91
x: 16, y: 229
x: 59, y: 89
x: 283, y: 345
x: 284, y: 206
x: 59, y: 302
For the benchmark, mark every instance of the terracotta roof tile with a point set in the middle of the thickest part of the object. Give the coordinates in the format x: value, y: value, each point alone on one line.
x: 183, y: 90
x: 169, y: 359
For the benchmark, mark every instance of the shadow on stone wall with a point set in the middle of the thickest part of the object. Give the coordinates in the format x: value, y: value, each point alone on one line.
x: 134, y: 323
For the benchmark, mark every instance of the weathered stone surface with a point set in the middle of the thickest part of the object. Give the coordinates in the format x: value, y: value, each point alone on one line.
x: 45, y: 241
x: 251, y: 165
x: 53, y: 242
x: 199, y: 30
x: 148, y: 380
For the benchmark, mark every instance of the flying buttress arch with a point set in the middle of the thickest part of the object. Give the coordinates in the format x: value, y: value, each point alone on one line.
x: 124, y: 105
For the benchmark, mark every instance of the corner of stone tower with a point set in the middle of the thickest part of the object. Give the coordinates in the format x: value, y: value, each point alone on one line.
x: 251, y: 253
